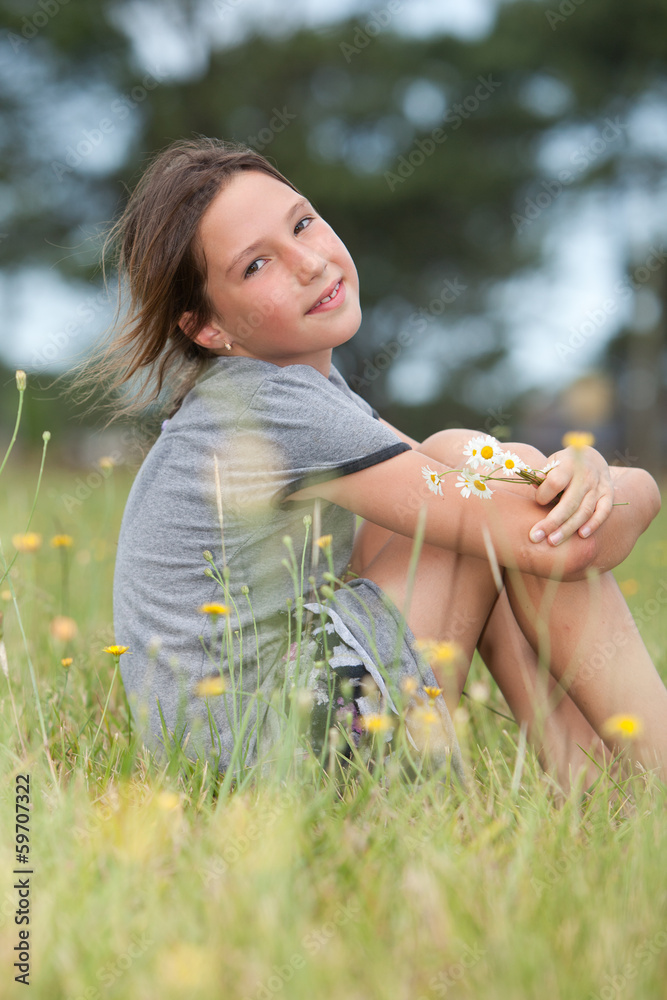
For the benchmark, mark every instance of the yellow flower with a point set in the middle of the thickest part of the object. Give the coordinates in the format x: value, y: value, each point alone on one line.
x: 63, y: 628
x: 627, y: 726
x: 29, y: 542
x: 432, y: 692
x: 425, y: 715
x: 374, y: 723
x: 578, y: 440
x: 409, y: 685
x: 106, y: 462
x: 168, y: 801
x: 426, y: 727
x: 438, y: 652
x: 210, y: 687
x: 629, y: 587
x: 62, y: 541
x: 324, y: 541
x: 214, y: 609
x: 116, y: 650
x: 67, y: 661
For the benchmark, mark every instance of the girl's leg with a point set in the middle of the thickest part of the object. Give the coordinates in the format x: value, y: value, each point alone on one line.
x: 562, y: 738
x: 446, y: 605
x: 585, y: 633
x: 450, y: 600
x: 598, y: 656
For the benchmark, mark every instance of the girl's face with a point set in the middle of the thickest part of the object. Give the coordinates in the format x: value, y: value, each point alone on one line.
x: 271, y: 259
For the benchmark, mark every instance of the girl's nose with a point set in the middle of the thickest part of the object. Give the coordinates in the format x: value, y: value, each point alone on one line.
x: 307, y: 263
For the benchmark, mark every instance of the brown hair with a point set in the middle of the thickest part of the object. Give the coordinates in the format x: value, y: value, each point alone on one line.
x: 157, y: 253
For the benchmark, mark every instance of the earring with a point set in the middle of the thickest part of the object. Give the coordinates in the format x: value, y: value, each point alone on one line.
x: 228, y: 346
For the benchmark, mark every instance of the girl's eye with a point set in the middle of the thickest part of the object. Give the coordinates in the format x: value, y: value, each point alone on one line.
x: 249, y: 272
x: 307, y: 218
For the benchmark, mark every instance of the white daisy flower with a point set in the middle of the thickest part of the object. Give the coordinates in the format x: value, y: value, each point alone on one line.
x: 471, y: 484
x: 432, y: 478
x: 472, y: 449
x: 511, y: 463
x: 482, y: 449
x: 550, y: 465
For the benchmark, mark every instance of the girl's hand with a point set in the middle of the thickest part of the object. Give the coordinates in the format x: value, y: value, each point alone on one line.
x: 588, y: 495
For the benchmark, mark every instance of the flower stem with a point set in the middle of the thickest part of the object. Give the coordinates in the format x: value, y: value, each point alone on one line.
x: 16, y: 430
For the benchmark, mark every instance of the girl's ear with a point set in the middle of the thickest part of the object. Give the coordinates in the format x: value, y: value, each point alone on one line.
x: 210, y: 336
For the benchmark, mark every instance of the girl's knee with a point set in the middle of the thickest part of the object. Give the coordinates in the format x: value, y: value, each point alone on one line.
x: 527, y: 453
x: 447, y: 446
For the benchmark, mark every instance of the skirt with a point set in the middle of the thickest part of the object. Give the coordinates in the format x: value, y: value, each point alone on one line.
x: 375, y: 672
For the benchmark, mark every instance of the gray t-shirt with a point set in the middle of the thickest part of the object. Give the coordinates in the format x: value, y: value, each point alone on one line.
x: 246, y: 436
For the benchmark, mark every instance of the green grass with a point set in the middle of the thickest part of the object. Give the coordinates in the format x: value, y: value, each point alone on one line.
x: 152, y: 881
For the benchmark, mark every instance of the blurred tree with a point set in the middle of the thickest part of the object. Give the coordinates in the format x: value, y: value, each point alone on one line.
x: 441, y: 162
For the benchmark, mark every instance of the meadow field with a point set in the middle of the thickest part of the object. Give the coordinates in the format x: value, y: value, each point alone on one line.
x: 152, y: 880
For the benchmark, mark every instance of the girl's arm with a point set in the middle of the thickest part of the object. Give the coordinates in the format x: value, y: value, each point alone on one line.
x: 584, y: 479
x: 392, y: 493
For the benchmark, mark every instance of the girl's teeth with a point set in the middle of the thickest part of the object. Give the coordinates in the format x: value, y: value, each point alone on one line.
x: 330, y: 297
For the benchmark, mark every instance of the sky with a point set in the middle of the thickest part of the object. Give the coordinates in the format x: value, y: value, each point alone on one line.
x: 557, y: 316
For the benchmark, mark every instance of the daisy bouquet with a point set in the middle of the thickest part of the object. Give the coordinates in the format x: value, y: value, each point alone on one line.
x: 486, y: 461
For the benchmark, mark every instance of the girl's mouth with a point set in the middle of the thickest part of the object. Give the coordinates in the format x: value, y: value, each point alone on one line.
x: 335, y: 298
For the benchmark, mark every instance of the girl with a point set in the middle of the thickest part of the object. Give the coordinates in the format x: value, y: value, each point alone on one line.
x: 239, y: 293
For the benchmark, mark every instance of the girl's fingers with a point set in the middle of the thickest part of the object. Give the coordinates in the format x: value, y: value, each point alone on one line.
x: 586, y: 501
x: 557, y: 480
x: 603, y: 509
x: 570, y: 514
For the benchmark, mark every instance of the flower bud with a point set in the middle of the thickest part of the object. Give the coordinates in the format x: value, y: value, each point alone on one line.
x: 20, y: 380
